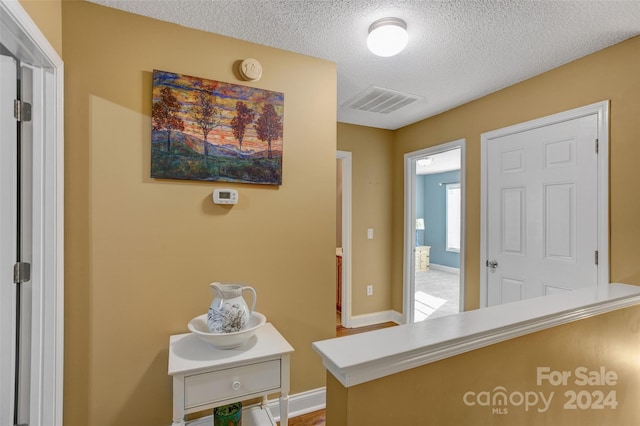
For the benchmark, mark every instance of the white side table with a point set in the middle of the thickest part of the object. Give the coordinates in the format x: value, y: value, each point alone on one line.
x: 205, y: 377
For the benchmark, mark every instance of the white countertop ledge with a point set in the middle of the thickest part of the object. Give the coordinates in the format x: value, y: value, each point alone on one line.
x: 363, y: 357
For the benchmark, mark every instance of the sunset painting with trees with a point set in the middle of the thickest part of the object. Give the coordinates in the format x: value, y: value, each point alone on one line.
x: 214, y: 131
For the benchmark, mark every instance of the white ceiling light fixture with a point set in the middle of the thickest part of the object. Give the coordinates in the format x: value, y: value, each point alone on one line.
x: 387, y: 36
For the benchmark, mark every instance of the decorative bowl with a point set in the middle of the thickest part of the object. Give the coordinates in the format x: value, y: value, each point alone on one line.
x: 199, y: 327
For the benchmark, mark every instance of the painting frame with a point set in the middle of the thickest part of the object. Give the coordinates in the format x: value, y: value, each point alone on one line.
x: 208, y: 130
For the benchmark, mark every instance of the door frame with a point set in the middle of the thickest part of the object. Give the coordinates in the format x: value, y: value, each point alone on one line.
x: 601, y: 109
x: 409, y: 267
x: 23, y: 37
x: 347, y: 169
x: 8, y: 248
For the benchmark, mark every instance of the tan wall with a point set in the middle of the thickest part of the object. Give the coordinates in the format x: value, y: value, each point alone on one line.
x: 371, y: 186
x: 434, y: 394
x: 141, y: 252
x: 609, y: 74
x: 47, y: 14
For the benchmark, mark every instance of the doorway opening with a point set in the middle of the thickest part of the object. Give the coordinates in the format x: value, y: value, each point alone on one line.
x: 434, y: 232
x: 343, y: 239
x: 31, y: 223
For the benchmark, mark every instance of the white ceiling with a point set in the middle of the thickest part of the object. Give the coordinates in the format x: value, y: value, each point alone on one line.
x: 457, y: 51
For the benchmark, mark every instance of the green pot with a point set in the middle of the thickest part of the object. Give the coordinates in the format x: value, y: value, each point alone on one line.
x: 228, y: 415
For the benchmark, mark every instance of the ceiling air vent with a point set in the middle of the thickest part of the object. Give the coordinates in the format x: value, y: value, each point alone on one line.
x: 383, y: 101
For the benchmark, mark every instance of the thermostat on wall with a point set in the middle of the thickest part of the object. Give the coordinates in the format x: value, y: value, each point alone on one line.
x: 225, y: 196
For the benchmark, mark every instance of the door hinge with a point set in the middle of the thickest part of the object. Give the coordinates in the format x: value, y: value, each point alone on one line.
x: 21, y: 110
x: 597, y: 147
x: 596, y: 257
x: 21, y: 272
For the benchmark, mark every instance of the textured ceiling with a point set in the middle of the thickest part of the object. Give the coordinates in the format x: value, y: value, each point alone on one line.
x: 457, y: 51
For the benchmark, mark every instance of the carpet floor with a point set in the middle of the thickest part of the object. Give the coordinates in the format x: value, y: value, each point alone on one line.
x: 437, y: 294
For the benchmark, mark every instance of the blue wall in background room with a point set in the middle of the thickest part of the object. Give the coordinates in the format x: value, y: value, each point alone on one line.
x: 431, y: 201
x: 420, y: 207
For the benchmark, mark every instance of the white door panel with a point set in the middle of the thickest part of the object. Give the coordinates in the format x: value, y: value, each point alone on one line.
x: 542, y: 210
x: 26, y: 244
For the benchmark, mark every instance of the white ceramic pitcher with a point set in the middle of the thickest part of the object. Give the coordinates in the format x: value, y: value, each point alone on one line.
x: 229, y: 311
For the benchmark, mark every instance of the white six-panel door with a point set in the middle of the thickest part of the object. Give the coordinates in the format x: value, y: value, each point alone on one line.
x: 542, y: 210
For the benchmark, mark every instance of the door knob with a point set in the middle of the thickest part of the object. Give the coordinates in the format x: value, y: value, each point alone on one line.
x: 492, y: 264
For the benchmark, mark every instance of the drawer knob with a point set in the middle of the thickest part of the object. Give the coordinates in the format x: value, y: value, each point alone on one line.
x: 236, y: 385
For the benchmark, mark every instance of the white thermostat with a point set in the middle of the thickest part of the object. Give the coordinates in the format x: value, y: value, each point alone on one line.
x: 225, y: 196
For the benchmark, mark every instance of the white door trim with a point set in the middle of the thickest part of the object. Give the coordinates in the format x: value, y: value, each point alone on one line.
x: 22, y: 36
x: 408, y: 279
x: 347, y: 168
x: 601, y: 109
x: 8, y: 238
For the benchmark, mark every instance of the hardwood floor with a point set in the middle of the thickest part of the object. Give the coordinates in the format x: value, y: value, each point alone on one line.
x: 341, y: 331
x: 317, y: 418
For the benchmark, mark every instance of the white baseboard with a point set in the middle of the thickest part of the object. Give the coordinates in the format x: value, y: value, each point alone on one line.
x: 397, y: 317
x: 299, y: 404
x: 444, y: 268
x: 375, y: 318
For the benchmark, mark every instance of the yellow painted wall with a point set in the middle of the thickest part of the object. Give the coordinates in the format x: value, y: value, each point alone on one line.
x: 435, y: 394
x: 141, y: 252
x: 609, y: 74
x: 47, y: 14
x: 371, y: 151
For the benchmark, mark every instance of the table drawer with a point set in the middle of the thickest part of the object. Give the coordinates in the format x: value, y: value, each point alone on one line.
x: 235, y: 382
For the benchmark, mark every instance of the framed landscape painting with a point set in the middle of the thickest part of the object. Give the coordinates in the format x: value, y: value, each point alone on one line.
x: 214, y: 131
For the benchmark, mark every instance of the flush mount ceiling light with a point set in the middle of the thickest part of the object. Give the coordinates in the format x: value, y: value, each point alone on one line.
x: 387, y: 36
